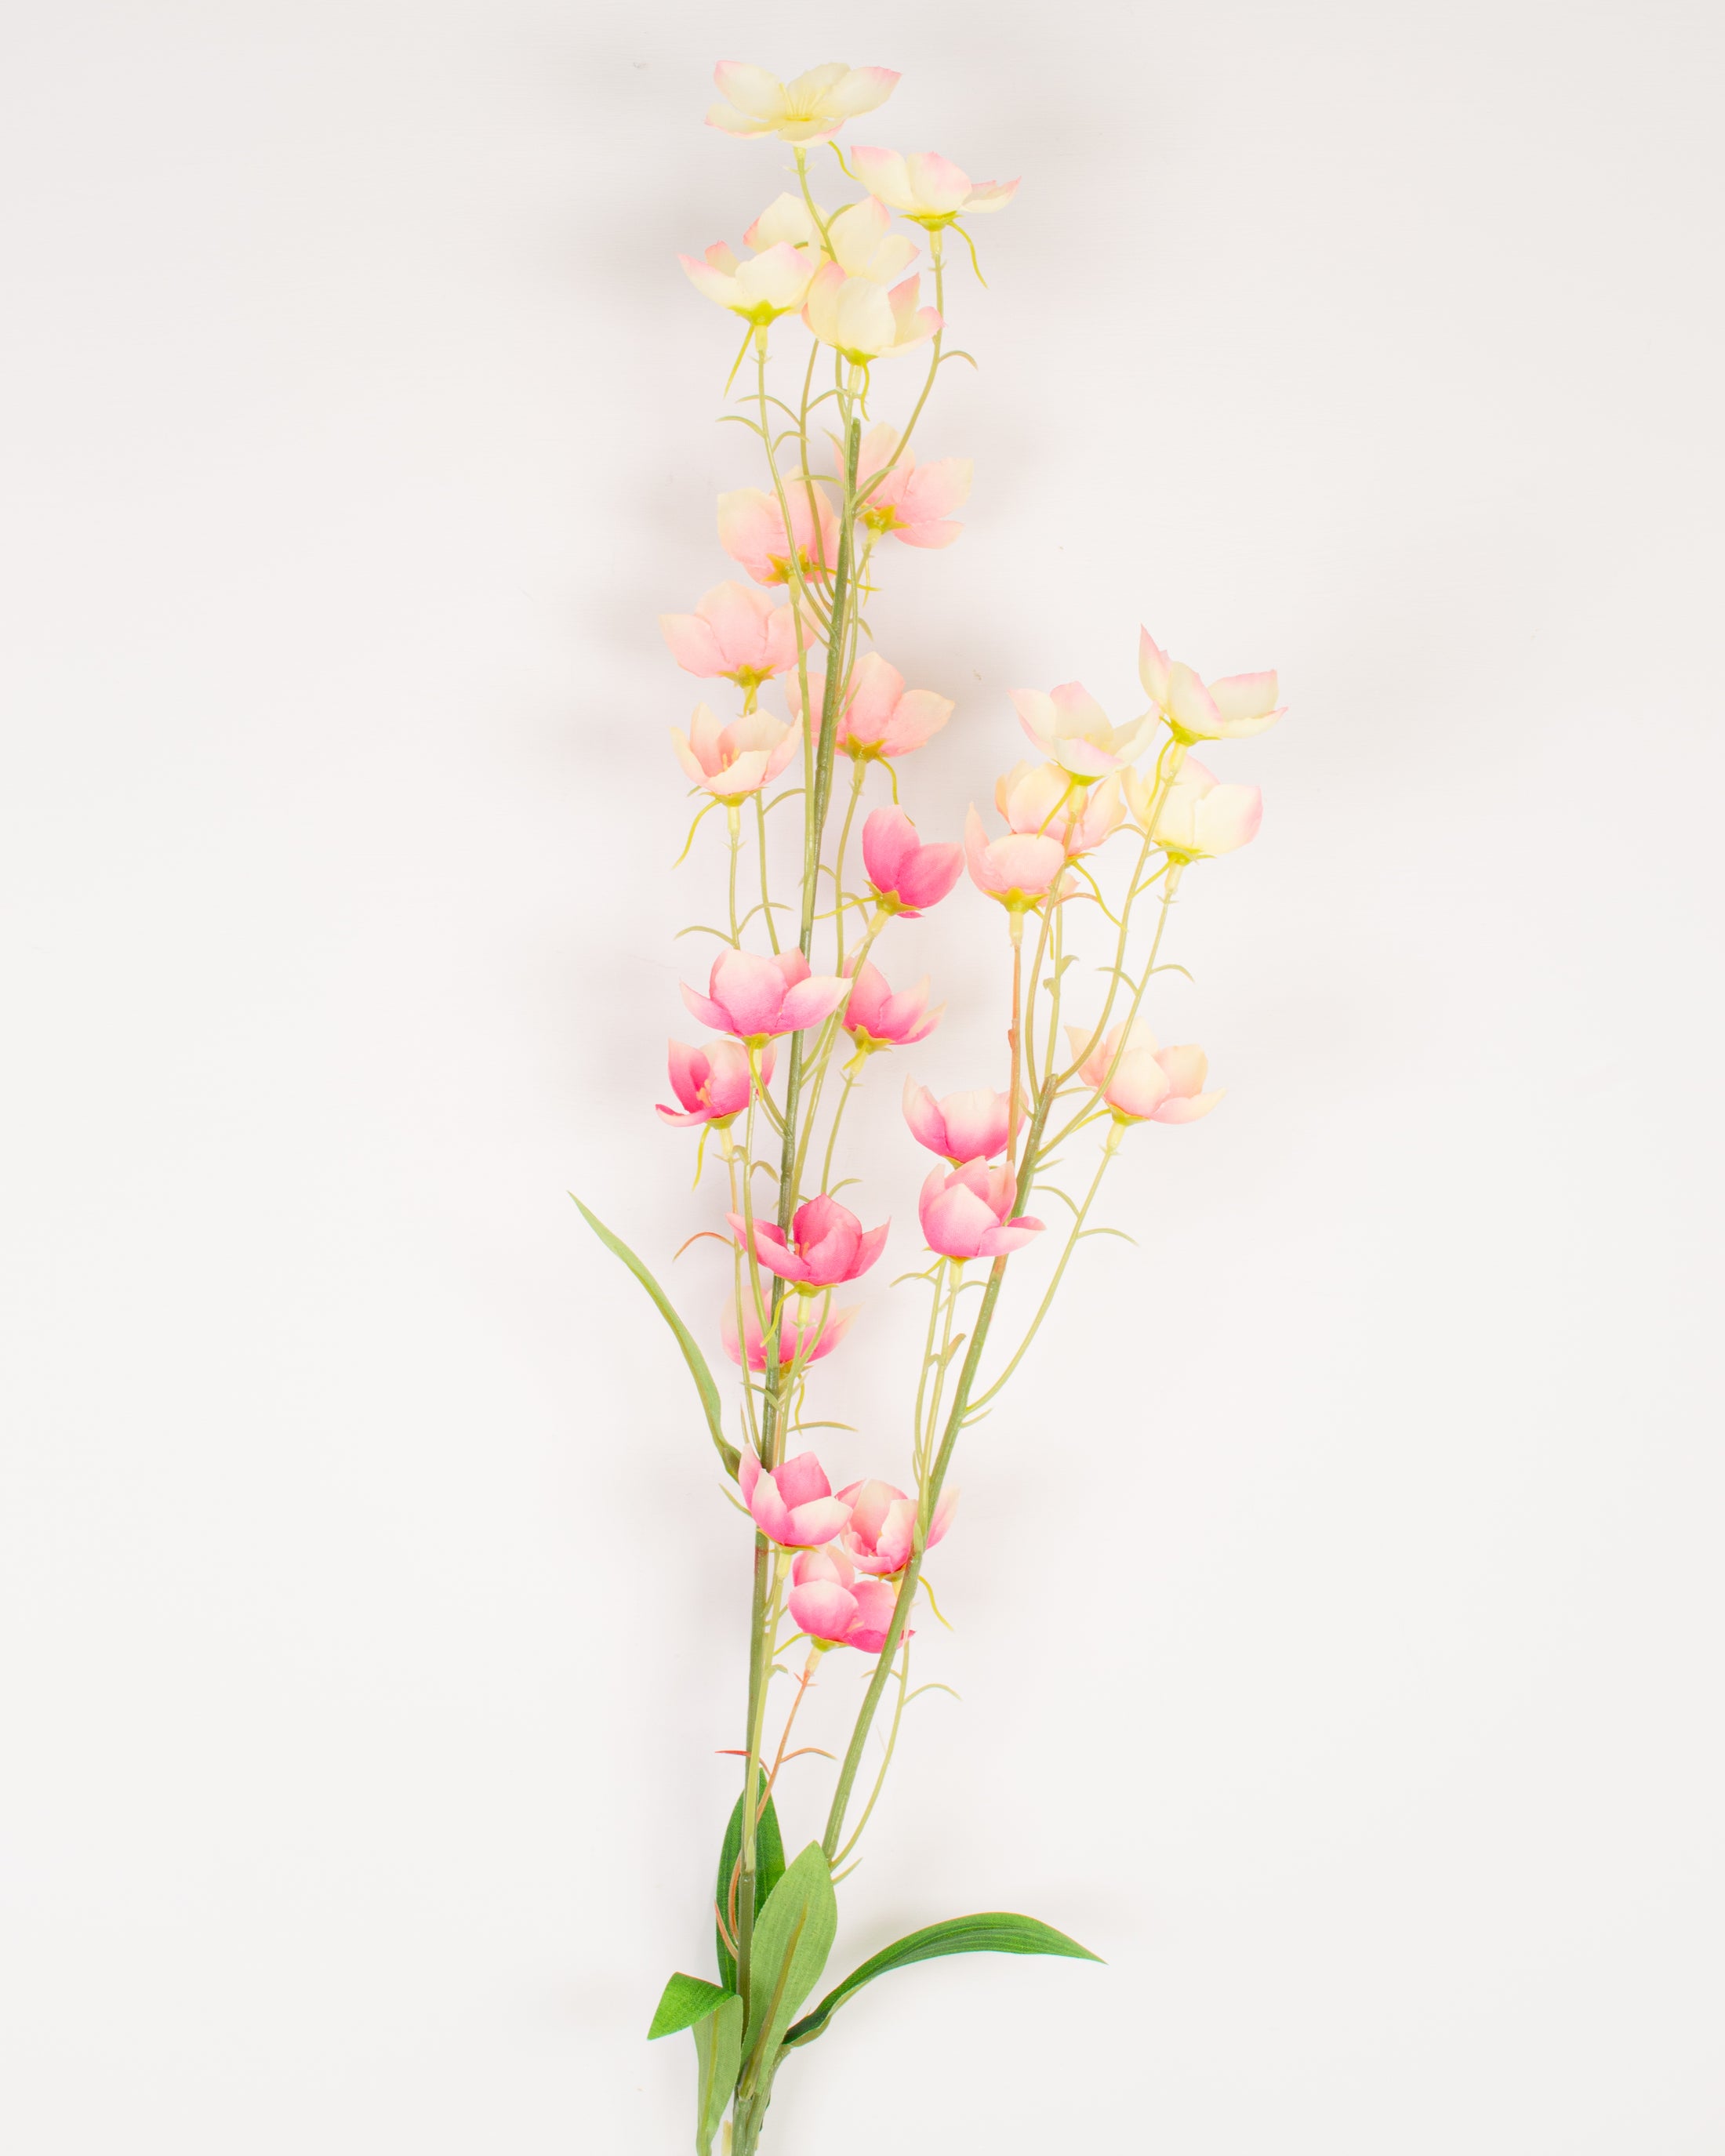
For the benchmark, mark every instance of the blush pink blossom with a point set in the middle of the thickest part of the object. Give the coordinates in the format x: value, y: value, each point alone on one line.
x: 793, y: 1504
x: 1072, y: 729
x: 925, y: 187
x: 1197, y: 816
x: 751, y: 532
x: 829, y: 1603
x: 735, y: 632
x: 879, y: 1536
x: 1228, y: 709
x: 878, y: 715
x: 1042, y: 798
x: 712, y: 1083
x: 914, y: 502
x: 906, y: 877
x: 807, y: 108
x: 961, y: 1126
x: 1149, y: 1084
x: 968, y: 1213
x: 875, y: 1018
x: 757, y: 997
x: 729, y: 762
x: 827, y: 1245
x: 860, y: 320
x: 1017, y: 870
x: 804, y: 1335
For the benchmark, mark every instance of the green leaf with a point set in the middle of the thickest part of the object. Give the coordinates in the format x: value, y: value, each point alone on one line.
x: 685, y: 2000
x: 769, y: 1870
x: 794, y: 1936
x: 718, y: 2056
x: 996, y: 1932
x: 693, y: 1356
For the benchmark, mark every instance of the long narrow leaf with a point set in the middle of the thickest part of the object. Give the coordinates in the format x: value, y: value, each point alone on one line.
x: 794, y: 1936
x: 693, y: 1356
x: 769, y: 1862
x: 997, y: 1932
x: 718, y: 2055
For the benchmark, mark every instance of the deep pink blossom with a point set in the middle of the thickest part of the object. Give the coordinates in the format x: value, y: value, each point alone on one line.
x: 793, y: 1504
x: 907, y: 877
x: 827, y: 1246
x: 712, y: 1083
x: 757, y: 997
x: 878, y: 1537
x: 874, y: 1018
x: 968, y: 1213
x: 830, y: 1603
x: 960, y: 1127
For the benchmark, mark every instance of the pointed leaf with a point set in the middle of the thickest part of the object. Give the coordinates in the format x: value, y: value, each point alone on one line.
x: 794, y: 1936
x: 692, y: 1355
x: 996, y: 1933
x: 685, y: 2000
x: 718, y: 2056
x: 769, y: 1870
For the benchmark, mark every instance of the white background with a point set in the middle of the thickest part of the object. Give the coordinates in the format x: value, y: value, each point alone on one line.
x: 1339, y: 1605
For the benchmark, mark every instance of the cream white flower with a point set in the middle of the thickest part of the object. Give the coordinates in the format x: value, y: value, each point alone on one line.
x: 863, y: 243
x: 926, y: 187
x: 1228, y: 709
x: 861, y: 321
x: 760, y: 289
x: 806, y: 109
x: 1198, y: 817
x: 1072, y: 729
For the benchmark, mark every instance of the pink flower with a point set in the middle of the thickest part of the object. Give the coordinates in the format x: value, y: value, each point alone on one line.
x: 756, y: 997
x: 862, y: 322
x: 793, y: 1505
x: 1072, y: 729
x: 925, y: 187
x: 878, y: 715
x: 914, y: 502
x: 1043, y: 798
x: 759, y: 289
x: 1017, y: 869
x: 907, y: 877
x: 830, y: 1603
x: 751, y: 532
x: 961, y: 1127
x: 883, y: 1522
x: 874, y: 1018
x: 967, y: 1214
x: 804, y: 110
x: 712, y: 1082
x: 730, y: 761
x: 1198, y: 817
x: 1150, y: 1084
x: 827, y: 1246
x: 734, y: 632
x: 1228, y: 709
x: 804, y: 1335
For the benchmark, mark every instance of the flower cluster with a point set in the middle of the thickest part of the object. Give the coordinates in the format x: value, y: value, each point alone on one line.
x: 1094, y: 832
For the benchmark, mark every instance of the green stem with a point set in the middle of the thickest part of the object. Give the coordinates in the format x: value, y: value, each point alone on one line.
x: 928, y: 1498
